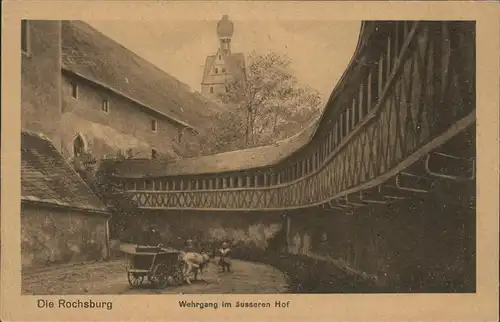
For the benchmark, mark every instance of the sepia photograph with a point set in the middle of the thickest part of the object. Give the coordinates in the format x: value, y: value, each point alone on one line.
x: 226, y: 156
x: 249, y: 161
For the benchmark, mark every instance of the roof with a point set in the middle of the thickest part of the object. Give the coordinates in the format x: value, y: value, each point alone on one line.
x: 233, y: 64
x: 47, y: 178
x: 258, y: 157
x: 91, y: 54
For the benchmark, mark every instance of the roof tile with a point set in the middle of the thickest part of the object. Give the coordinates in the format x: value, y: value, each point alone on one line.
x: 47, y: 177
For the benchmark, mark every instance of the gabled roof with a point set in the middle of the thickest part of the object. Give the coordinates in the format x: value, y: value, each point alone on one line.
x: 90, y: 54
x: 47, y: 178
x: 258, y: 157
x: 235, y: 64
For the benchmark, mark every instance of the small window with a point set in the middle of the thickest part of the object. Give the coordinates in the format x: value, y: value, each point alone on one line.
x: 220, y: 58
x: 105, y: 106
x: 223, y: 70
x: 154, y: 125
x: 211, y: 89
x: 154, y: 154
x: 24, y: 36
x: 216, y: 70
x: 78, y: 146
x: 74, y: 90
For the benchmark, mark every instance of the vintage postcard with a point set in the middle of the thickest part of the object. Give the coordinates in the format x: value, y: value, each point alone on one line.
x: 303, y: 161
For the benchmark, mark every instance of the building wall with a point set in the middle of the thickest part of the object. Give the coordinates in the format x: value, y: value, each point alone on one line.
x: 50, y: 236
x: 126, y: 126
x: 218, y: 89
x: 40, y: 80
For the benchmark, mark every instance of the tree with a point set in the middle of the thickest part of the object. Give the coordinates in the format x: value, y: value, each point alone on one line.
x: 99, y: 176
x: 263, y: 103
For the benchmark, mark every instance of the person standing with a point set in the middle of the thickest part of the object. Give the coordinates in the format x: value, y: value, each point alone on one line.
x: 224, y: 261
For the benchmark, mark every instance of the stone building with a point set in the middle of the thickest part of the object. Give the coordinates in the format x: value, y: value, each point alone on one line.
x: 87, y: 93
x: 225, y: 65
x: 62, y: 220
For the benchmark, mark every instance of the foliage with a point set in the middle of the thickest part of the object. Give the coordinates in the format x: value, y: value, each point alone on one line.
x: 268, y: 105
x: 99, y: 177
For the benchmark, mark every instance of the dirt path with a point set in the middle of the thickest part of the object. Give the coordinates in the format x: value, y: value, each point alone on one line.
x: 110, y: 278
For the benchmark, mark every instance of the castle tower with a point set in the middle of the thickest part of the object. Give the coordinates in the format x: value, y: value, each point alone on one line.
x: 224, y: 66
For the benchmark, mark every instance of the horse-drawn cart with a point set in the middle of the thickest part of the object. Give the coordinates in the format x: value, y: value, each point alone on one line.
x: 161, y: 266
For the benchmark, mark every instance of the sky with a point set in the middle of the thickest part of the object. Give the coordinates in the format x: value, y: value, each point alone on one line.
x: 319, y: 50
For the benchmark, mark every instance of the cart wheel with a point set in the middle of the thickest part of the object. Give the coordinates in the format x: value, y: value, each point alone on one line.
x: 134, y: 279
x: 159, y: 277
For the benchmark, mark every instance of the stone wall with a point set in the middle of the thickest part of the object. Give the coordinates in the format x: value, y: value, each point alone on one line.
x: 41, y: 79
x: 126, y: 126
x: 245, y: 231
x: 426, y: 244
x: 50, y: 236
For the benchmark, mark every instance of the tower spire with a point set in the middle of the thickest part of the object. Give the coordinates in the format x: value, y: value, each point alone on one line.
x: 225, y: 30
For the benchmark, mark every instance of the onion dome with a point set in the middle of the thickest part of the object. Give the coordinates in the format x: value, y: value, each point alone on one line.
x: 225, y: 27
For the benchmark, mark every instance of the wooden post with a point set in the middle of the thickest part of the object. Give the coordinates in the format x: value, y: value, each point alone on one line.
x: 369, y: 101
x: 348, y: 116
x: 355, y: 115
x: 288, y: 232
x: 381, y: 75
x: 389, y: 56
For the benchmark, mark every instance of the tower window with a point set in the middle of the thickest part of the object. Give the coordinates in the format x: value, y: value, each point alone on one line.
x: 74, y: 90
x: 223, y: 70
x: 24, y: 36
x: 220, y: 57
x: 105, y: 106
x: 211, y: 89
x: 154, y: 125
x: 154, y: 154
x: 216, y: 70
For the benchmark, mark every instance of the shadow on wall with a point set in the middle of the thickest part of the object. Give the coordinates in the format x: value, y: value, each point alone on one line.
x: 241, y: 230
